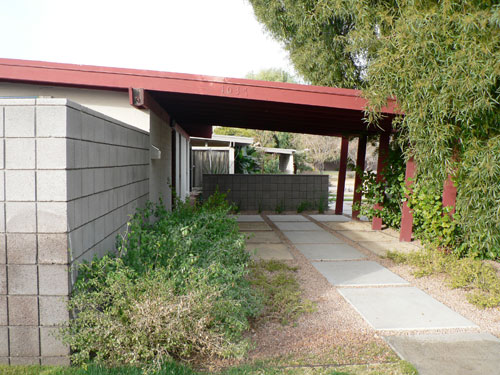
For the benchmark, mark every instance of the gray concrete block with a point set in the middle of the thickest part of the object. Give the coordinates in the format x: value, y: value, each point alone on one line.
x: 407, y: 308
x: 3, y: 250
x: 22, y: 279
x: 24, y: 342
x: 3, y: 279
x: 19, y: 121
x: 53, y: 310
x: 74, y: 184
x: 269, y: 251
x: 51, y: 121
x: 20, y: 185
x: 56, y: 361
x: 20, y: 153
x: 23, y: 311
x: 53, y: 248
x: 52, y: 185
x: 4, y: 343
x: 52, y: 217
x: 25, y: 361
x: 54, y: 280
x: 76, y: 243
x: 74, y: 123
x: 51, y: 153
x: 361, y: 236
x: 20, y: 217
x: 88, y: 182
x: 2, y: 184
x: 21, y: 248
x: 3, y: 311
x: 358, y: 273
x: 248, y: 218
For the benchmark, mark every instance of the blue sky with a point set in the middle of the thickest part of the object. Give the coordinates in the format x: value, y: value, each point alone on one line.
x: 216, y: 37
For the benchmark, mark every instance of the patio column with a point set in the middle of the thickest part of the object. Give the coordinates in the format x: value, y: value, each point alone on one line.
x: 339, y: 201
x: 360, y: 167
x: 383, y: 152
x: 406, y: 214
x: 449, y: 194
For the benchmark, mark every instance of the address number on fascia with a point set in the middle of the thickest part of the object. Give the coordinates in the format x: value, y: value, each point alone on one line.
x: 234, y: 91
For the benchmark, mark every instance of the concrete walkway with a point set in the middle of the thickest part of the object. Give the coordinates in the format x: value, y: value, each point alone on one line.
x: 386, y: 301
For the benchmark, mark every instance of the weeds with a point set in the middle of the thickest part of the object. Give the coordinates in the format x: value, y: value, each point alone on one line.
x: 280, y: 289
x: 477, y: 276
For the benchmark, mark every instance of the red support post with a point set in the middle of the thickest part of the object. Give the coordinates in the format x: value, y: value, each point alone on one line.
x: 449, y: 194
x: 383, y: 153
x: 406, y: 214
x: 339, y: 201
x: 360, y: 166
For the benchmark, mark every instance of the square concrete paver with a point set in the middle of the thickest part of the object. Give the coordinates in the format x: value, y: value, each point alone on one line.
x: 244, y: 218
x: 361, y: 236
x: 381, y: 248
x: 402, y: 308
x: 287, y: 225
x: 310, y: 236
x: 349, y: 225
x: 276, y: 218
x: 325, y: 251
x: 262, y: 237
x: 250, y: 226
x: 269, y: 251
x: 330, y: 218
x: 358, y: 273
x: 450, y: 354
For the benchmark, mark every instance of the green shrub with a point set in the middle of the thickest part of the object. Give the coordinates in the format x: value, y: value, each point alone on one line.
x: 389, y: 192
x: 177, y: 290
x: 477, y: 276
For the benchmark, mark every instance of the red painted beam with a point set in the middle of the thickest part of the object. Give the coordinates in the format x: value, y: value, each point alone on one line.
x: 339, y: 201
x: 123, y: 79
x: 449, y: 195
x: 383, y: 153
x: 406, y: 230
x: 360, y: 167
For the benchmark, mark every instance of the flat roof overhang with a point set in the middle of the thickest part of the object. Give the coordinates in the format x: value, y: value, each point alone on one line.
x: 198, y: 102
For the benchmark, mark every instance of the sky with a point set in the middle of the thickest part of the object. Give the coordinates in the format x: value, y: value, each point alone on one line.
x: 210, y: 37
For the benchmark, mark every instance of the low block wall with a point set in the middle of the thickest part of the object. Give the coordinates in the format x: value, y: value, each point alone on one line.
x: 269, y: 192
x: 69, y: 177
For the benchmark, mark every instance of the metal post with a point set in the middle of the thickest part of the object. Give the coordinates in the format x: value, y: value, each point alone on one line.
x: 360, y: 167
x: 339, y: 202
x: 383, y: 153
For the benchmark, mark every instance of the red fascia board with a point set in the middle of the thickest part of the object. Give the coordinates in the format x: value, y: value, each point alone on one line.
x: 123, y: 79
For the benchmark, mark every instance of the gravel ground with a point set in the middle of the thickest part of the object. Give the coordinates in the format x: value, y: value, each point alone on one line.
x: 336, y: 332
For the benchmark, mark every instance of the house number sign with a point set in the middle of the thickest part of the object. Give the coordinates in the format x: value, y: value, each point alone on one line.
x: 229, y: 90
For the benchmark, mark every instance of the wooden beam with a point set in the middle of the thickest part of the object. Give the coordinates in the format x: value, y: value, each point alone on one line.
x: 406, y: 230
x: 339, y: 201
x: 383, y: 153
x: 360, y: 167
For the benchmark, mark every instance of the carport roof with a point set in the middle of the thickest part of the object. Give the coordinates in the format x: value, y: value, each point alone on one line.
x: 197, y: 101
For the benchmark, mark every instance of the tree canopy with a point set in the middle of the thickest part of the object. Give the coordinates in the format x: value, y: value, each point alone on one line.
x: 439, y: 59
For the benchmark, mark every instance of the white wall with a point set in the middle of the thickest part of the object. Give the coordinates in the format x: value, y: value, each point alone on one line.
x: 115, y: 104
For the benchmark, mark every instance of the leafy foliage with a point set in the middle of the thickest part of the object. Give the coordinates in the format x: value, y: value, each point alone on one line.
x: 441, y: 60
x: 389, y: 192
x: 477, y: 276
x: 178, y: 290
x: 246, y: 160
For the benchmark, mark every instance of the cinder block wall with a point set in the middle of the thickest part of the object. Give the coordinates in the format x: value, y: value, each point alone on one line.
x: 69, y: 177
x: 269, y: 192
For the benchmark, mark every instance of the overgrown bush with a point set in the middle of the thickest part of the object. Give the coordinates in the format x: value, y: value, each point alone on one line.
x: 389, y: 193
x: 178, y: 289
x: 478, y: 277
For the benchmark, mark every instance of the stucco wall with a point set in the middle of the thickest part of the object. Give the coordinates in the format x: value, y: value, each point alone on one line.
x: 115, y: 104
x: 269, y: 192
x: 69, y: 177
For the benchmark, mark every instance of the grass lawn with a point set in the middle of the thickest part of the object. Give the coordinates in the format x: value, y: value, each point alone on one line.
x: 395, y: 368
